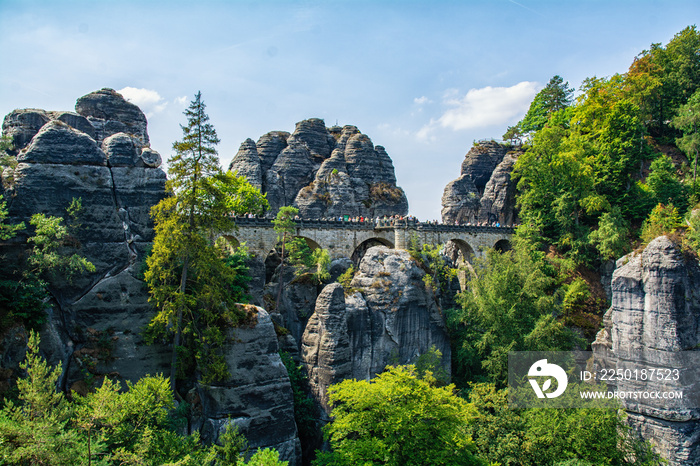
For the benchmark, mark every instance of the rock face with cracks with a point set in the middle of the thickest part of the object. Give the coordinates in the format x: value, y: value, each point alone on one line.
x: 484, y: 191
x: 101, y: 154
x: 391, y: 318
x: 258, y: 396
x: 325, y: 172
x: 653, y: 320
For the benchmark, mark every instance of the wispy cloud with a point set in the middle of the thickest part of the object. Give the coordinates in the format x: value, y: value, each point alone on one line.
x: 422, y: 100
x: 478, y: 108
x: 149, y: 101
x: 528, y: 9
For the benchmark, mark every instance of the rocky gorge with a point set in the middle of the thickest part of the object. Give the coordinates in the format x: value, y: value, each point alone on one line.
x: 386, y: 315
x: 101, y: 155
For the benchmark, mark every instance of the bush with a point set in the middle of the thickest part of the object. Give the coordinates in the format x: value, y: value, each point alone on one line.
x: 663, y: 220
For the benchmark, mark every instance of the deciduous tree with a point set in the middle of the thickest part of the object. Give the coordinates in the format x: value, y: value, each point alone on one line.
x: 688, y: 120
x: 397, y: 419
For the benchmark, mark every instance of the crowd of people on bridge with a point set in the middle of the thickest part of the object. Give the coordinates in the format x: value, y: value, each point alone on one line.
x: 396, y: 220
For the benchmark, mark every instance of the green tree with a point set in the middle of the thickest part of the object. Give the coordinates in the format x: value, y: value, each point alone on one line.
x: 513, y: 134
x: 36, y: 431
x: 396, y: 419
x: 107, y: 427
x: 664, y: 184
x: 552, y: 437
x: 508, y: 305
x: 188, y: 278
x: 266, y: 457
x: 7, y: 161
x: 612, y: 236
x: 663, y: 220
x: 555, y: 96
x: 285, y: 227
x: 7, y: 231
x: 439, y: 274
x: 692, y: 235
x: 688, y: 120
x: 50, y: 260
x: 322, y: 261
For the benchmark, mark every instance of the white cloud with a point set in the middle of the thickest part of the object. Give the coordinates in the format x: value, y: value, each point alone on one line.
x: 149, y: 101
x: 483, y: 107
x: 181, y: 101
x: 488, y: 106
x: 422, y: 100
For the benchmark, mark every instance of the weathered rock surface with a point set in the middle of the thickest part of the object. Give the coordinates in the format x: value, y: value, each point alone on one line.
x: 297, y: 302
x: 59, y: 161
x: 248, y: 163
x: 109, y: 113
x: 258, y: 397
x: 325, y: 172
x: 392, y: 318
x: 22, y: 125
x: 101, y: 155
x: 58, y: 143
x: 484, y: 191
x: 653, y: 319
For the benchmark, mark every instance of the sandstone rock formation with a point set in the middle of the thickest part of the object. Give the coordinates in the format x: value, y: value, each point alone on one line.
x: 391, y: 318
x: 101, y: 155
x: 654, y: 316
x: 258, y: 397
x: 116, y: 176
x: 325, y: 172
x: 484, y: 191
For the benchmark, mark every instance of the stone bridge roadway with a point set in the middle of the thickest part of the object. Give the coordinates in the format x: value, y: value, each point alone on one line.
x: 352, y: 239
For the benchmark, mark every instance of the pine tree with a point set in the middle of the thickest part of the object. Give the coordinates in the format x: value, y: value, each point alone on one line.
x: 189, y: 281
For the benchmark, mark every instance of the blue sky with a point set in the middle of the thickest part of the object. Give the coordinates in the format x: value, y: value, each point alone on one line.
x: 422, y: 78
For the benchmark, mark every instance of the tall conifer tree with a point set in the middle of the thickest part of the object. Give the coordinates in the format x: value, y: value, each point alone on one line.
x: 189, y: 281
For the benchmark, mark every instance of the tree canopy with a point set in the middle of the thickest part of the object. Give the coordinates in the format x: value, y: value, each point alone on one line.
x: 397, y: 419
x: 190, y: 280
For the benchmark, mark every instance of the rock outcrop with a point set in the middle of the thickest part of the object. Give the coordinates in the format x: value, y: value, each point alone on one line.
x: 391, y: 318
x: 654, y: 317
x: 258, y: 397
x: 109, y: 113
x: 325, y: 172
x: 484, y: 191
x: 117, y: 177
x: 101, y: 155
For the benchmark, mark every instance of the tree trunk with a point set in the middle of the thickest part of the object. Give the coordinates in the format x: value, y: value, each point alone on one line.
x: 178, y: 330
x: 279, y: 288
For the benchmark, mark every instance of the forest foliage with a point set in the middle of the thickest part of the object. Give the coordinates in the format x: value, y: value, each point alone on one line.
x: 600, y: 174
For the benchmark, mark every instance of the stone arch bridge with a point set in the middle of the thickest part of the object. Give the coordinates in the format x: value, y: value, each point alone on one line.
x: 352, y: 239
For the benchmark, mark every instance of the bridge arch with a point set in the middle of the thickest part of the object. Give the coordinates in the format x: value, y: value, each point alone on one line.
x: 228, y: 243
x: 313, y: 245
x: 503, y: 245
x: 459, y: 251
x: 362, y: 248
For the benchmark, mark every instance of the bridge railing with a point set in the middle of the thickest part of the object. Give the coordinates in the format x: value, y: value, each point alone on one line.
x: 381, y: 224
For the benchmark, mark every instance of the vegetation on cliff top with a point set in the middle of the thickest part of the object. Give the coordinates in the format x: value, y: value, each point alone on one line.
x: 189, y: 279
